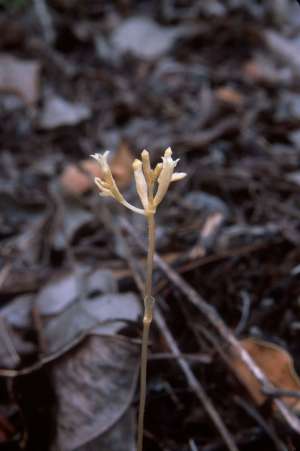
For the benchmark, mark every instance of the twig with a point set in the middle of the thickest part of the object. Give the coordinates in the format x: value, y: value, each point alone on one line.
x: 246, y: 303
x: 197, y: 358
x: 252, y: 412
x: 242, y: 438
x: 38, y: 323
x: 214, y: 318
x: 4, y: 273
x: 279, y: 393
x: 184, y: 366
x: 202, y: 138
x: 4, y: 331
x: 205, y: 137
x: 8, y: 342
x: 45, y: 20
x: 194, y: 383
x: 285, y: 49
x: 193, y: 445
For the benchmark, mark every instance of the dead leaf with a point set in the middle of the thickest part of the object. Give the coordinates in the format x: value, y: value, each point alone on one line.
x: 294, y: 177
x: 91, y: 167
x: 17, y: 313
x: 211, y: 226
x: 58, y: 293
x: 121, y: 166
x: 20, y: 77
x: 72, y: 217
x: 206, y: 203
x: 15, y: 320
x: 284, y: 49
x: 276, y: 363
x: 58, y: 112
x: 101, y: 281
x: 121, y: 437
x: 13, y: 345
x: 235, y: 236
x: 79, y: 179
x: 229, y: 95
x: 95, y: 383
x: 144, y: 38
x: 74, y: 181
x: 263, y: 70
x: 107, y: 312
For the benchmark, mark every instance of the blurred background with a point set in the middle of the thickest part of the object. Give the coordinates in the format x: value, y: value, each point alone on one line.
x: 219, y: 82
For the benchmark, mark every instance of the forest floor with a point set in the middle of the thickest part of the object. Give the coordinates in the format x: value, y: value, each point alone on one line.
x: 219, y: 82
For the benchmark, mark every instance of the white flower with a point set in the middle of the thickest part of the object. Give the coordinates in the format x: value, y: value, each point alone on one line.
x: 166, y: 176
x: 148, y: 173
x: 140, y: 182
x: 178, y: 176
x: 102, y: 160
x: 107, y: 184
x: 145, y: 180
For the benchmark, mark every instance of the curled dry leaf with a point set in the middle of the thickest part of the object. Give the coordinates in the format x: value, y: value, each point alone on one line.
x: 60, y: 292
x: 101, y: 375
x: 107, y: 313
x: 229, y: 96
x: 74, y: 181
x: 58, y: 112
x: 144, y: 38
x: 20, y: 77
x: 121, y: 437
x: 72, y: 217
x: 278, y: 366
x: 79, y: 179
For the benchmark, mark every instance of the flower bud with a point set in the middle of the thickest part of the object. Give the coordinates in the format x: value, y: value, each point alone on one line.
x: 178, y: 176
x: 148, y: 173
x: 140, y: 181
x: 164, y: 179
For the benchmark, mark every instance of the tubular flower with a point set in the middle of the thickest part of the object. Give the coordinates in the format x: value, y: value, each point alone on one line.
x: 107, y: 184
x: 166, y: 175
x: 140, y: 183
x: 145, y: 180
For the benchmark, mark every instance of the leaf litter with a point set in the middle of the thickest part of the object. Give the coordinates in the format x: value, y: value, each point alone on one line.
x: 109, y: 364
x: 219, y: 82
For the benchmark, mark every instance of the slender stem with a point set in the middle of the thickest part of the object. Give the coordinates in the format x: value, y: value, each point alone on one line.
x: 148, y: 314
x: 150, y: 255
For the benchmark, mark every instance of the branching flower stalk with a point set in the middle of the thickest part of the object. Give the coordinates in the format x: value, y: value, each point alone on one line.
x: 152, y: 186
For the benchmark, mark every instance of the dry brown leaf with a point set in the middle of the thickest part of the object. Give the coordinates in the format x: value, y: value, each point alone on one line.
x: 261, y: 70
x: 121, y: 166
x: 75, y: 181
x: 276, y: 363
x: 91, y: 168
x: 229, y: 95
x: 20, y: 77
x: 79, y: 179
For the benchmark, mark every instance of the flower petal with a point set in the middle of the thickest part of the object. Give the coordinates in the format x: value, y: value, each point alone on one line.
x: 165, y: 176
x: 140, y: 181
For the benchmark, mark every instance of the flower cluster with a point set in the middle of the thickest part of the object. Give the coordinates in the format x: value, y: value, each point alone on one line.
x: 151, y: 184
